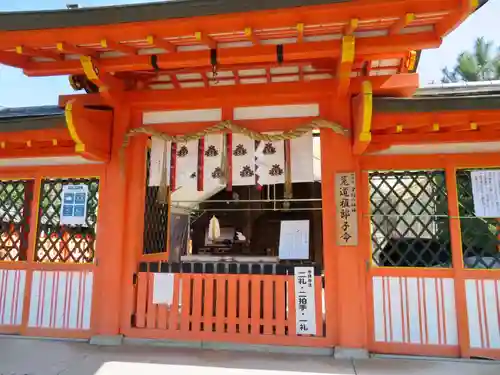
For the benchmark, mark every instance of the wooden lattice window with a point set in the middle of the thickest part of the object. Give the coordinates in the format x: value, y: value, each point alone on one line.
x: 65, y: 243
x: 155, y: 218
x: 15, y: 212
x: 409, y: 219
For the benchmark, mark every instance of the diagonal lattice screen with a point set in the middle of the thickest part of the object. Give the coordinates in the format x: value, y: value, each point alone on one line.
x: 409, y: 219
x: 15, y: 212
x: 480, y: 236
x: 63, y: 243
x: 155, y: 218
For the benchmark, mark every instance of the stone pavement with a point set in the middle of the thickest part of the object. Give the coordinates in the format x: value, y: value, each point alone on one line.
x: 20, y: 356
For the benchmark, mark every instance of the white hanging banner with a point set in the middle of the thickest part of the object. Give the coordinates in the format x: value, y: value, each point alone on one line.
x: 163, y: 288
x: 305, y: 306
x: 302, y: 158
x: 486, y: 193
x: 159, y: 159
x: 74, y: 204
x: 187, y: 165
x: 243, y: 160
x: 270, y: 160
x: 212, y: 161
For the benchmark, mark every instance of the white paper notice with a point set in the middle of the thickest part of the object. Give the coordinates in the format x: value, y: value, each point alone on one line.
x: 74, y: 204
x: 486, y: 193
x: 163, y: 288
x: 305, y: 305
x: 294, y: 239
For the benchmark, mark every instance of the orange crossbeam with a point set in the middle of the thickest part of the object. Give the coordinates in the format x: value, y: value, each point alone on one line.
x: 351, y: 26
x: 388, y: 46
x: 205, y: 39
x: 14, y: 59
x: 401, y: 23
x: 161, y: 43
x: 249, y: 34
x: 300, y: 33
x: 64, y: 47
x: 128, y: 50
x: 28, y: 51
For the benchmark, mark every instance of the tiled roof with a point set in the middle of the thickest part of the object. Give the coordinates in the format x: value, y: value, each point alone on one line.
x: 26, y: 112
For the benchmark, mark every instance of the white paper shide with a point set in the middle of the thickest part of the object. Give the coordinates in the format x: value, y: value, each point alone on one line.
x: 305, y: 305
x: 74, y: 205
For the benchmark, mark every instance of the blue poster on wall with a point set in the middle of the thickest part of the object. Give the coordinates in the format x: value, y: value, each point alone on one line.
x: 74, y: 205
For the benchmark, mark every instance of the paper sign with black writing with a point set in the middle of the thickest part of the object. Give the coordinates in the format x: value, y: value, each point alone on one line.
x: 486, y: 193
x: 347, y: 213
x: 305, y: 302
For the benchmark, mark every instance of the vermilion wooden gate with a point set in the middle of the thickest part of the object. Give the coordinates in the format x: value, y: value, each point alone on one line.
x: 46, y: 269
x: 434, y: 280
x: 240, y: 308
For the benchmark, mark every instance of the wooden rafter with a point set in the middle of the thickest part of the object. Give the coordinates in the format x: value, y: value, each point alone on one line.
x: 362, y: 118
x: 110, y: 87
x: 14, y: 59
x: 401, y: 23
x: 203, y: 38
x: 48, y: 54
x: 216, y: 24
x: 381, y: 46
x: 161, y: 43
x: 303, y: 91
x: 64, y: 47
x: 456, y: 17
x: 345, y: 64
x: 351, y: 26
x: 128, y: 50
x: 250, y: 35
x: 300, y: 32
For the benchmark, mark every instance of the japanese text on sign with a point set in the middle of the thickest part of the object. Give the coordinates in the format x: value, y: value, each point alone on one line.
x: 486, y: 193
x: 305, y: 305
x: 74, y: 204
x: 347, y: 217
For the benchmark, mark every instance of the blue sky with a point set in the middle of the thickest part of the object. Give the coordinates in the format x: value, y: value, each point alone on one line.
x: 16, y: 90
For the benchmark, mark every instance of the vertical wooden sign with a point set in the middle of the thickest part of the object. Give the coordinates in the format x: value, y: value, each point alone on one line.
x: 347, y: 213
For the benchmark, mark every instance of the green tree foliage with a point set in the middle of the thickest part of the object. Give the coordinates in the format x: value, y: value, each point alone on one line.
x: 480, y: 64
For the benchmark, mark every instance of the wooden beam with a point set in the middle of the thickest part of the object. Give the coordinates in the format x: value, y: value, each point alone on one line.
x: 48, y: 54
x: 300, y: 32
x: 362, y: 106
x: 262, y: 54
x: 128, y: 50
x: 64, y: 47
x: 13, y: 59
x: 456, y: 17
x: 90, y: 129
x: 351, y: 26
x: 315, y: 15
x: 203, y: 38
x: 161, y: 43
x: 109, y: 86
x: 401, y: 23
x: 249, y: 34
x: 345, y: 64
x: 241, y: 95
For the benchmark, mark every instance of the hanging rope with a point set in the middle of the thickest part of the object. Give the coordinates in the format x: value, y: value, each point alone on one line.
x: 228, y: 125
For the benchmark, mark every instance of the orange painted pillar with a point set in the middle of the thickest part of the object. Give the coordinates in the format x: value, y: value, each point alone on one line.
x: 345, y: 267
x: 136, y: 195
x: 110, y: 238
